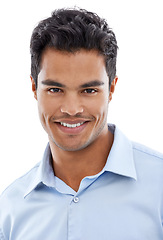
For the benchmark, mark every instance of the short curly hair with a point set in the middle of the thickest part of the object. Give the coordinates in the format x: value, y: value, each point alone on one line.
x: 71, y: 30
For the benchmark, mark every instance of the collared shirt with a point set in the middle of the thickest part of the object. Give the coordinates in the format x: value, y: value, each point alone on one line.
x: 122, y: 202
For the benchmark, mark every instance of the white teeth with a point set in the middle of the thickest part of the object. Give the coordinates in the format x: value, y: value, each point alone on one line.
x: 71, y: 125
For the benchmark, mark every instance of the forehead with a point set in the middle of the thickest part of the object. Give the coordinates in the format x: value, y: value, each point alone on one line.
x: 82, y: 65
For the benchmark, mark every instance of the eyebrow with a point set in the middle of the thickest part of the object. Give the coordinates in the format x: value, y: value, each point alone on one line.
x: 93, y: 83
x: 50, y: 82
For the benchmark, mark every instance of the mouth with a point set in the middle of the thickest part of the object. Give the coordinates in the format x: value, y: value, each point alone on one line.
x: 73, y: 128
x: 74, y: 125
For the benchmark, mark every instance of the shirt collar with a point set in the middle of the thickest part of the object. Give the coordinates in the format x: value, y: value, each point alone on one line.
x: 120, y: 161
x: 44, y: 173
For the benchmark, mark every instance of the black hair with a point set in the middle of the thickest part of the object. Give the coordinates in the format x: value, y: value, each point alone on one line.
x: 71, y: 30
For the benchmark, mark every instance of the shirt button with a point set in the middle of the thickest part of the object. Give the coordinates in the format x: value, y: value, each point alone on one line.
x: 76, y: 199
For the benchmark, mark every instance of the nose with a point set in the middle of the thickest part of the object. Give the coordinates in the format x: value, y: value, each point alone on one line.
x: 72, y: 105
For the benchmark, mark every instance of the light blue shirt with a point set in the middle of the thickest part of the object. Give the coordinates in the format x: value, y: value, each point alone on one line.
x: 122, y: 202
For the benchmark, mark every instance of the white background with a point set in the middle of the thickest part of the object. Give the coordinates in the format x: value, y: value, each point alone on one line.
x: 137, y: 105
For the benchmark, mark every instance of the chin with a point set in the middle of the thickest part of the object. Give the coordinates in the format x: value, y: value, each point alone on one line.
x: 72, y: 147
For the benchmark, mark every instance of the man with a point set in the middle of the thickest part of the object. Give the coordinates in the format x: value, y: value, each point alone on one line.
x: 92, y: 183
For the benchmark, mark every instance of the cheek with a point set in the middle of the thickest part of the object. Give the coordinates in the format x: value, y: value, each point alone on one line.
x: 46, y: 107
x: 99, y: 106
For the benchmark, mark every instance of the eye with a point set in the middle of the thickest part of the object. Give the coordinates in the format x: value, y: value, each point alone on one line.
x: 54, y: 90
x: 90, y: 90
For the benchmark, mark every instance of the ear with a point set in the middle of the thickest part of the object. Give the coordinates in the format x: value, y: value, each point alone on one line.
x: 112, y: 88
x: 34, y: 87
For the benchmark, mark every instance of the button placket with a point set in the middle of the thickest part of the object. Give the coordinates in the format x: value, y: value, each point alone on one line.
x: 74, y: 219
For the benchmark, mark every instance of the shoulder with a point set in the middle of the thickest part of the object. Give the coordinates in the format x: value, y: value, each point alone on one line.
x: 17, y: 188
x: 148, y: 163
x: 147, y: 152
x: 12, y: 200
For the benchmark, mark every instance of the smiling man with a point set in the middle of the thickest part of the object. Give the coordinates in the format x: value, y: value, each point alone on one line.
x: 93, y: 182
x: 73, y: 96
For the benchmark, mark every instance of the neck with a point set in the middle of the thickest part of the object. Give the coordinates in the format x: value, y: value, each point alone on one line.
x: 72, y: 166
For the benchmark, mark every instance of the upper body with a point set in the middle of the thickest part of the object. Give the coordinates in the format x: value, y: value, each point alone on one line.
x: 123, y: 201
x: 73, y: 75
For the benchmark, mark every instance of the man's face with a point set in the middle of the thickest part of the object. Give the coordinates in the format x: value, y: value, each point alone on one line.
x: 73, y: 96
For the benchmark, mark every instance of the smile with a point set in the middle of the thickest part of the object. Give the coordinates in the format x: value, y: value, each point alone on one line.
x: 71, y: 125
